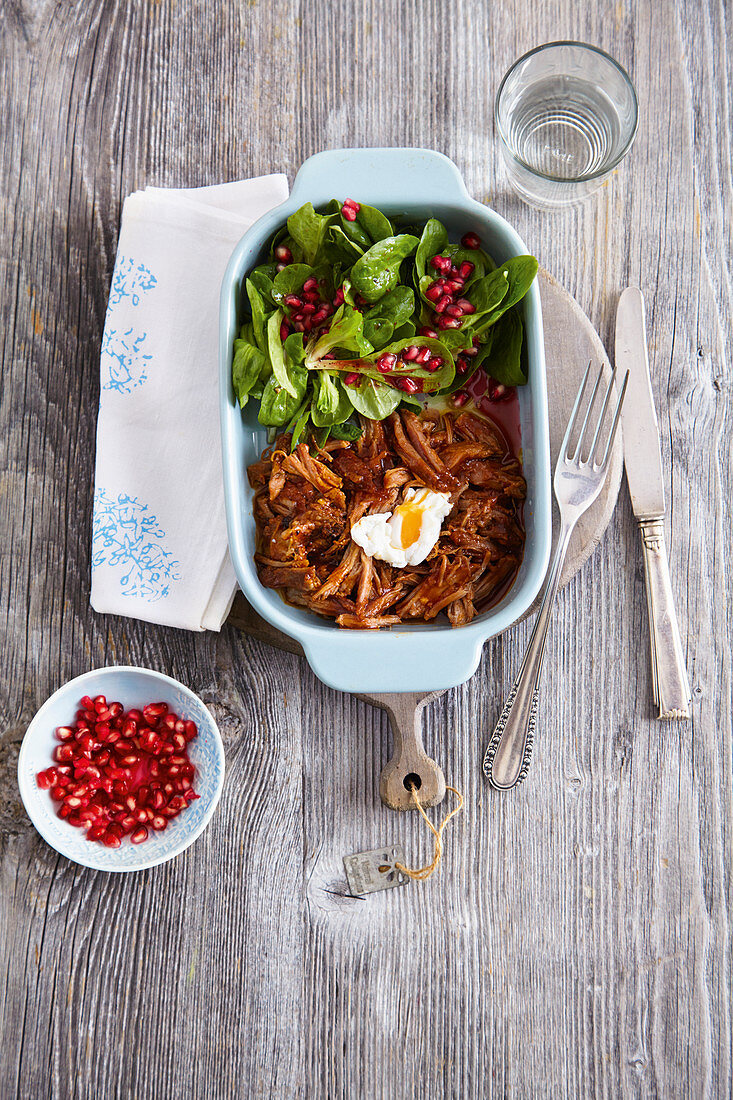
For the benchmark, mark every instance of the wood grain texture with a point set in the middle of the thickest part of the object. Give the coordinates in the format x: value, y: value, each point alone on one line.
x: 577, y: 941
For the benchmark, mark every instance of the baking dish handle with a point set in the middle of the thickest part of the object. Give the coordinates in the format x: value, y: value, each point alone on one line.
x: 426, y: 176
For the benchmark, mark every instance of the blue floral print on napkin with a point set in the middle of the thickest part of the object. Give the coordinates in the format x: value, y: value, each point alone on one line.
x: 124, y: 360
x: 130, y: 280
x: 126, y: 535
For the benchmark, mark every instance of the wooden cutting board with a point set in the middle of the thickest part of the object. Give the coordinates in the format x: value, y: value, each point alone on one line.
x: 570, y: 343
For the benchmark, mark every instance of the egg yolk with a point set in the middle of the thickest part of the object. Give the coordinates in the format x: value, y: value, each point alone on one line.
x: 411, y: 515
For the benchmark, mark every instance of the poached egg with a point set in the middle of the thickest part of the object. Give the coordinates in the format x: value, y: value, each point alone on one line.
x: 407, y: 535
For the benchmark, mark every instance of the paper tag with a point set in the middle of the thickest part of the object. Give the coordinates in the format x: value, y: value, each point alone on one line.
x: 368, y: 872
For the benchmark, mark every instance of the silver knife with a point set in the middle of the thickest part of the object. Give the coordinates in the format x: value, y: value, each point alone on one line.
x: 643, y: 461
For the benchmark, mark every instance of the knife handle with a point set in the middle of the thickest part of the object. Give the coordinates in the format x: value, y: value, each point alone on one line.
x: 671, y: 686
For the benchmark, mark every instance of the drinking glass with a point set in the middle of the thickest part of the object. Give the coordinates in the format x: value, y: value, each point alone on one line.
x: 566, y: 114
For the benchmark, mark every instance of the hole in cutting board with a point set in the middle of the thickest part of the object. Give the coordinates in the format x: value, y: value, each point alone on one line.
x: 412, y: 780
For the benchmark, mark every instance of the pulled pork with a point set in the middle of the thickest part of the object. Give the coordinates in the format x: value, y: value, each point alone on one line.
x: 307, y: 502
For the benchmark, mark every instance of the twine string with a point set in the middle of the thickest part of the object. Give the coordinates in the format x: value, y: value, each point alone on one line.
x: 422, y: 873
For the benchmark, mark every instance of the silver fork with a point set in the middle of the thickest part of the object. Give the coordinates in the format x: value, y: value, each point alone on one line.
x: 578, y: 482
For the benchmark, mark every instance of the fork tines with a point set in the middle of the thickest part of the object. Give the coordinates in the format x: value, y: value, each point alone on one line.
x: 592, y: 457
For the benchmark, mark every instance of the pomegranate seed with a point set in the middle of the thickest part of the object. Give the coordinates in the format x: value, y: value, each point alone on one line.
x: 454, y: 311
x: 471, y: 240
x: 449, y: 322
x: 308, y: 310
x: 428, y: 332
x: 283, y: 253
x: 499, y: 392
x: 353, y: 204
x: 87, y: 702
x: 386, y: 362
x: 409, y: 385
x: 128, y: 823
x: 158, y: 800
x: 64, y: 753
x: 466, y: 269
x: 459, y: 399
x: 129, y: 728
x: 191, y: 730
x: 338, y: 298
x: 293, y: 301
x: 466, y: 306
x: 462, y: 364
x: 179, y: 741
x: 141, y: 816
x: 423, y: 355
x: 97, y: 831
x: 408, y: 354
x: 440, y: 263
x: 349, y: 213
x: 470, y: 352
x: 153, y: 711
x: 311, y: 283
x: 64, y: 733
x: 351, y: 378
x: 102, y: 757
x: 455, y: 285
x: 442, y: 304
x: 434, y: 363
x: 100, y: 700
x: 434, y: 292
x: 64, y: 811
x: 45, y: 779
x: 139, y: 835
x: 58, y: 793
x: 111, y: 840
x: 116, y: 709
x: 158, y: 822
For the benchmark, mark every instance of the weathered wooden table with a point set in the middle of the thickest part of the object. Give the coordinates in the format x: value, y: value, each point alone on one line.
x: 577, y: 940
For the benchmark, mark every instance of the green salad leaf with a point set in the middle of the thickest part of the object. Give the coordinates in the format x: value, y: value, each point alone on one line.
x: 246, y: 368
x: 434, y: 239
x: 308, y: 230
x: 373, y: 398
x: 377, y: 271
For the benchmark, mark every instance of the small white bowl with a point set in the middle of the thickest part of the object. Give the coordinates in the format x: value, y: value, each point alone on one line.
x: 133, y: 687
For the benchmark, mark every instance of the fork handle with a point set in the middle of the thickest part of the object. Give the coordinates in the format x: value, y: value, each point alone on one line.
x: 669, y: 676
x: 509, y: 751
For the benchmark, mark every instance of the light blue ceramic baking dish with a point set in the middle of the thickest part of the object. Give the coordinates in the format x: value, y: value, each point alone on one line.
x: 419, y: 184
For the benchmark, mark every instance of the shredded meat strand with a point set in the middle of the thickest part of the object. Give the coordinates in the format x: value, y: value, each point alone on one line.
x: 306, y: 503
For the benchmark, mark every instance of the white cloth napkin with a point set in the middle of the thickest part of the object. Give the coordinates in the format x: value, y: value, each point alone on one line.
x: 159, y: 542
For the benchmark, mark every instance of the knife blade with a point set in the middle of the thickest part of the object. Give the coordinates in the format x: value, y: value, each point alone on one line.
x: 642, y: 455
x: 644, y: 474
